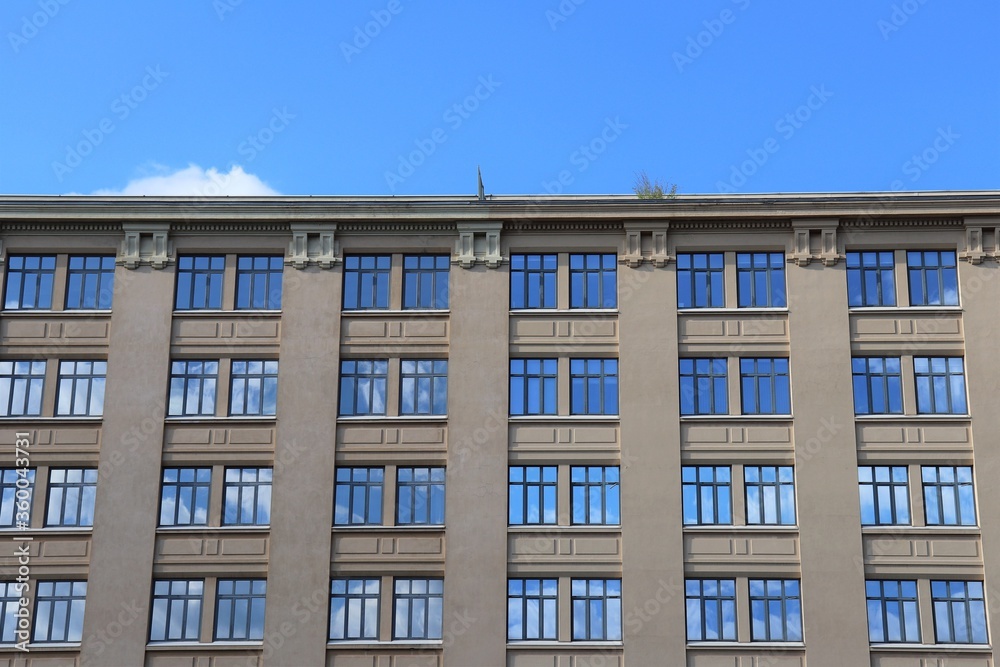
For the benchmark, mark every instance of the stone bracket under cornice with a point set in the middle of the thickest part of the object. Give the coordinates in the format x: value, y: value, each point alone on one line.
x: 313, y: 245
x: 815, y: 239
x: 145, y: 245
x: 975, y: 240
x: 478, y: 243
x: 646, y: 242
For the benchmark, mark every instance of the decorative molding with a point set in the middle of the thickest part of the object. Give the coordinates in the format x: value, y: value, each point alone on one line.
x: 394, y: 226
x: 563, y: 226
x: 902, y: 222
x: 478, y: 243
x: 228, y: 227
x: 977, y: 230
x: 723, y: 224
x: 145, y: 245
x: 825, y: 231
x: 61, y: 227
x: 313, y: 245
x: 646, y: 242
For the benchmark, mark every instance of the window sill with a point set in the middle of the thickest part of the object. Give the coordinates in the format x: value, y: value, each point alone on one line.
x: 564, y: 418
x: 771, y: 646
x: 937, y: 648
x: 48, y: 531
x: 48, y: 646
x: 74, y: 312
x: 391, y: 418
x: 395, y: 643
x: 887, y: 310
x: 908, y: 530
x: 62, y: 419
x: 213, y: 529
x: 550, y: 528
x: 918, y: 417
x: 395, y: 312
x: 541, y: 312
x: 731, y: 528
x: 569, y: 646
x: 697, y: 418
x: 423, y: 528
x: 730, y: 311
x: 188, y: 419
x: 215, y: 312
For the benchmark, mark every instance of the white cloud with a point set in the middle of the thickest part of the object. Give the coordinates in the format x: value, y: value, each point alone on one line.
x: 192, y: 182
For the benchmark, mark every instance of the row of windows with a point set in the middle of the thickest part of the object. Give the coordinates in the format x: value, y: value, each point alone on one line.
x: 764, y: 384
x: 776, y: 611
x: 959, y: 610
x: 948, y: 495
x: 184, y: 500
x: 878, y: 386
x: 760, y: 280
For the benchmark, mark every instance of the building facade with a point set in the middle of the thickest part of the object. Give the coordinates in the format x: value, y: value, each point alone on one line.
x: 740, y: 430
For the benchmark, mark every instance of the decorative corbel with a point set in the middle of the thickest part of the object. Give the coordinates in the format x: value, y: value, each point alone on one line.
x: 313, y: 245
x: 145, y: 245
x: 825, y: 233
x: 646, y: 242
x: 478, y: 243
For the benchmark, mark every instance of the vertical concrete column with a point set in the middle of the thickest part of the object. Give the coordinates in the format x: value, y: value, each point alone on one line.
x: 475, y: 592
x: 295, y: 629
x: 979, y: 292
x: 652, y: 533
x: 826, y: 483
x: 126, y: 508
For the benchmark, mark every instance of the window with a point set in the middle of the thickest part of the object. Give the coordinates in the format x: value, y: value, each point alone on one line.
x: 184, y: 496
x: 91, y: 282
x: 258, y: 283
x: 532, y: 611
x: 71, y: 497
x: 878, y: 388
x: 199, y: 282
x: 948, y: 496
x: 10, y: 602
x: 192, y: 388
x: 885, y: 496
x: 711, y: 610
x: 933, y: 278
x: 366, y: 282
x: 59, y: 607
x: 706, y: 495
x: 593, y: 386
x: 533, y: 281
x: 770, y: 495
x: 17, y: 490
x: 775, y: 610
x: 700, y: 280
x: 760, y: 280
x: 595, y: 495
x: 358, y: 497
x: 425, y: 281
x: 959, y: 612
x: 419, y: 609
x: 253, y: 388
x: 420, y: 496
x: 870, y: 279
x: 80, y: 391
x: 533, y: 386
x: 247, y: 499
x: 21, y: 385
x: 239, y: 609
x: 703, y: 387
x: 29, y: 282
x: 176, y: 615
x: 940, y: 385
x: 424, y: 387
x: 597, y: 609
x: 362, y: 387
x: 592, y: 281
x: 765, y: 387
x: 892, y: 611
x: 354, y: 605
x: 532, y: 495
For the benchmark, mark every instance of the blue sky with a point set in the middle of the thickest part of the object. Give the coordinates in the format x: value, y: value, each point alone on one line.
x: 407, y: 97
